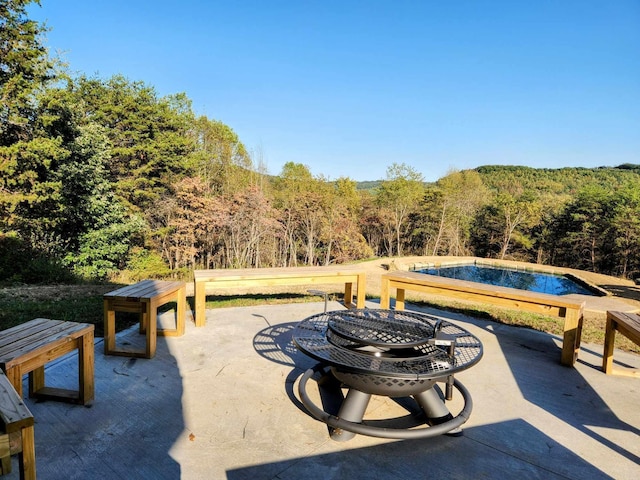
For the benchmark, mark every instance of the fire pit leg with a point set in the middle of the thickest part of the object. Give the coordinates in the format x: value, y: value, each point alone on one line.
x: 352, y: 410
x: 435, y: 409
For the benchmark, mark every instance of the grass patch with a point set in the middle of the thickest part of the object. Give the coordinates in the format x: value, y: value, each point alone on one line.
x: 71, y: 303
x: 249, y: 300
x: 85, y: 309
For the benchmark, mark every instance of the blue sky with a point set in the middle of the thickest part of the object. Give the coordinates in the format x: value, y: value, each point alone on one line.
x: 350, y: 87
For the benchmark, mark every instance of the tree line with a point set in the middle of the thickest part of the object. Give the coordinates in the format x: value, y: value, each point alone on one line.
x: 103, y: 175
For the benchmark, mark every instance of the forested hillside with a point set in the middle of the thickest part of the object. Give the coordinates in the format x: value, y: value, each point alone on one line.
x: 103, y: 175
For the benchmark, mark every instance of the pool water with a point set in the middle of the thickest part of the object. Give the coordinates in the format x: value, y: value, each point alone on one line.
x: 504, y: 277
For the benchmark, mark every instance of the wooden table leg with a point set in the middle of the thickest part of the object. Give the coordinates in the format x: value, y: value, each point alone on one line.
x: 609, y: 342
x: 572, y: 337
x: 152, y: 328
x: 144, y: 317
x: 109, y: 328
x: 399, y: 299
x: 15, y: 377
x: 362, y: 290
x: 200, y: 300
x: 36, y: 381
x: 348, y: 294
x: 5, y: 454
x: 86, y: 368
x: 27, y: 458
x: 181, y: 310
x: 384, y: 294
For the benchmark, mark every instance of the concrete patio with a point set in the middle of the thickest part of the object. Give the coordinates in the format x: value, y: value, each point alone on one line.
x: 221, y: 402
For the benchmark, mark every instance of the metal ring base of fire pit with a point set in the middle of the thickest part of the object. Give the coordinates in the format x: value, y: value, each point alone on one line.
x: 349, y: 420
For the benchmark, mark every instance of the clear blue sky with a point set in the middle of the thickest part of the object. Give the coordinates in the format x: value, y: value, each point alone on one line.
x: 350, y: 87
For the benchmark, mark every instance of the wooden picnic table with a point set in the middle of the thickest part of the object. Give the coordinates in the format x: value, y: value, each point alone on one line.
x: 28, y: 347
x: 143, y: 298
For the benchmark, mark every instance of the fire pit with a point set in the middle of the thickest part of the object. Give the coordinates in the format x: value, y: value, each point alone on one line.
x: 389, y: 353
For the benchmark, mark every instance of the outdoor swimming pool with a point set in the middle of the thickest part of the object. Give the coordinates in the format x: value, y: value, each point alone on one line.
x: 505, y: 277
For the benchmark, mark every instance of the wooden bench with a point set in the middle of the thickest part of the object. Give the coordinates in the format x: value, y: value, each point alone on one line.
x: 28, y: 347
x: 571, y: 310
x: 628, y: 324
x: 143, y: 298
x: 16, y: 432
x: 269, y: 277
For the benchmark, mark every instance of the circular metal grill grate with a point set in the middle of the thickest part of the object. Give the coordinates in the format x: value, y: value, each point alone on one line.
x: 386, y: 342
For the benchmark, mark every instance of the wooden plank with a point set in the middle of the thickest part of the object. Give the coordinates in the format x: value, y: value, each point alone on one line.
x: 14, y: 414
x: 38, y: 328
x: 146, y: 289
x: 181, y: 307
x: 270, y: 277
x: 132, y: 290
x: 42, y: 342
x: 55, y: 393
x: 9, y: 336
x: 249, y: 273
x: 472, y: 289
x: 28, y: 457
x: 5, y: 453
x: 629, y: 325
x: 572, y: 335
x: 26, y: 326
x: 200, y: 302
x: 86, y: 368
x: 277, y: 281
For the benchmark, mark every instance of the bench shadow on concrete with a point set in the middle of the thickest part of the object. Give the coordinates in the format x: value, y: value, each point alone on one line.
x: 561, y: 390
x: 127, y: 432
x: 482, y: 452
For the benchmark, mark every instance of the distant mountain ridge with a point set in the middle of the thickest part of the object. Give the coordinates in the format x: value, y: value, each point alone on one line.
x: 555, y: 179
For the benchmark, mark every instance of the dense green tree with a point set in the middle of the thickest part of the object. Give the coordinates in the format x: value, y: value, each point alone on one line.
x: 371, y: 223
x: 25, y: 68
x: 400, y: 194
x: 75, y: 210
x: 625, y: 230
x: 504, y: 227
x: 149, y: 143
x: 579, y: 229
x: 598, y: 230
x: 341, y: 240
x: 460, y: 195
x: 30, y: 193
x: 541, y: 234
x: 220, y: 159
x: 518, y: 213
x: 293, y: 195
